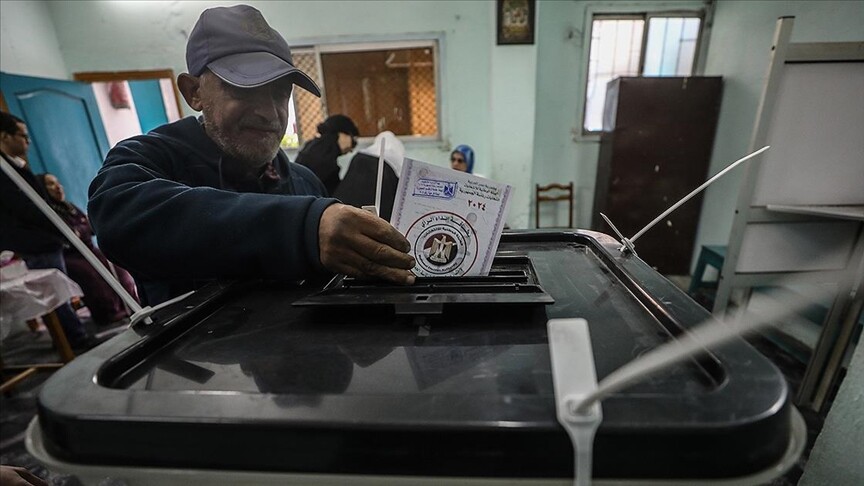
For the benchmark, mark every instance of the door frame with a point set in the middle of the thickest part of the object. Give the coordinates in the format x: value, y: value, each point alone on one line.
x: 107, y: 76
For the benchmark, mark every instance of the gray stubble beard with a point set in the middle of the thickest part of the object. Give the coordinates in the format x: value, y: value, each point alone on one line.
x: 251, y: 161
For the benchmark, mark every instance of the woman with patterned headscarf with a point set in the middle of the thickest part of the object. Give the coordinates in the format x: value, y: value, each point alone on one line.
x: 462, y: 159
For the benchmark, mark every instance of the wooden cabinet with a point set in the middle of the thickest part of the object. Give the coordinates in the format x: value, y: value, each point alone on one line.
x: 655, y: 148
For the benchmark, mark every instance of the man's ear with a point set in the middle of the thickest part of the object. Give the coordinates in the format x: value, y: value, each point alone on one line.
x: 4, y: 140
x: 190, y: 88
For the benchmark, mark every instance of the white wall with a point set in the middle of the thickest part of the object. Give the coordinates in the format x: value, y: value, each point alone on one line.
x: 512, y: 99
x: 120, y: 123
x: 28, y: 43
x: 169, y: 99
x: 561, y: 153
x: 739, y: 45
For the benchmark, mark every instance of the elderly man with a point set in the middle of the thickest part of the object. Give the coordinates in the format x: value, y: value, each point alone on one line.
x: 214, y: 197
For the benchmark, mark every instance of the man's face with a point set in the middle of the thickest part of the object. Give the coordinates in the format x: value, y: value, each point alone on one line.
x: 246, y: 123
x: 16, y: 144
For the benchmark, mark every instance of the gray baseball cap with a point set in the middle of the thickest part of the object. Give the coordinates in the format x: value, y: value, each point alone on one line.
x: 238, y: 45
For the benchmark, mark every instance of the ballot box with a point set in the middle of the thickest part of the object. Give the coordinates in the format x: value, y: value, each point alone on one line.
x: 447, y: 380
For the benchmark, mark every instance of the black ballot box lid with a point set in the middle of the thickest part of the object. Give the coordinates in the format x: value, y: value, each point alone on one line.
x: 237, y: 377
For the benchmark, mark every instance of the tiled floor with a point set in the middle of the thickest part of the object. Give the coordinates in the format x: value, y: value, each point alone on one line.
x: 18, y: 408
x: 793, y: 370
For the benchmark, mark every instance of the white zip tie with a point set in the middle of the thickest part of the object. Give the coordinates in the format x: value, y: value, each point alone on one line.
x: 696, y: 191
x: 146, y: 312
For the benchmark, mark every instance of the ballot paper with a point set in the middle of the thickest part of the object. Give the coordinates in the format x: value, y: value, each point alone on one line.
x: 452, y: 219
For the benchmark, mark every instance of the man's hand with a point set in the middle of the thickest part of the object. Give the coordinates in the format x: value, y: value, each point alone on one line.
x: 18, y: 476
x: 360, y: 244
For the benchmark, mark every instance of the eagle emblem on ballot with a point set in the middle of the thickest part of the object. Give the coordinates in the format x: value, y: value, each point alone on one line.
x: 440, y: 250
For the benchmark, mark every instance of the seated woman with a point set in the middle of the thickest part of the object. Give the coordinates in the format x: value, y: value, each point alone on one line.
x: 105, y: 305
x: 358, y: 186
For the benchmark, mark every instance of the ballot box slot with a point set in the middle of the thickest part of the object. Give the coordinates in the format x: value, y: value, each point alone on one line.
x: 512, y: 281
x: 467, y: 287
x: 513, y: 278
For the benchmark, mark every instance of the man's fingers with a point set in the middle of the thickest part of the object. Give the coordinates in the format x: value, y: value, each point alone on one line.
x: 387, y: 234
x: 378, y: 253
x: 357, y: 265
x: 385, y: 245
x: 387, y: 272
x: 382, y: 231
x: 18, y: 476
x: 360, y: 244
x: 30, y: 477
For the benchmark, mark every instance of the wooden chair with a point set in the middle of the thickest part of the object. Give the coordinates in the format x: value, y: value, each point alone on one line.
x: 551, y: 193
x: 58, y: 336
x: 51, y: 292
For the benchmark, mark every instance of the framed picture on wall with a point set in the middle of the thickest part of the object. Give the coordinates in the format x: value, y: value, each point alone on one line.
x: 516, y: 21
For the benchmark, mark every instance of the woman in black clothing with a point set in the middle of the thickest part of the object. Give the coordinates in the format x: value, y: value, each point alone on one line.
x: 337, y: 135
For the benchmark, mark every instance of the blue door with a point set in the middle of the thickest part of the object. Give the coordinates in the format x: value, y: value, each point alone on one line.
x: 66, y: 131
x: 149, y: 103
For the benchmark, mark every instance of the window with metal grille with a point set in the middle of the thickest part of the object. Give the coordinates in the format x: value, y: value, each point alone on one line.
x: 383, y: 86
x: 621, y: 47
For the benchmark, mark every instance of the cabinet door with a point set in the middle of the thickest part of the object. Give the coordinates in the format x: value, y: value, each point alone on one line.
x: 66, y: 131
x: 658, y: 150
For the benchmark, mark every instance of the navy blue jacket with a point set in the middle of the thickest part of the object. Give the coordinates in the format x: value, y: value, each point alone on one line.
x: 23, y: 227
x: 164, y: 207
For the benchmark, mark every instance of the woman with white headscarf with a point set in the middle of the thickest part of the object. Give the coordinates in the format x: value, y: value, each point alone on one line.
x: 358, y: 185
